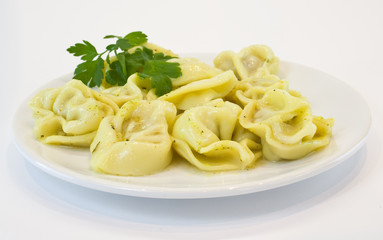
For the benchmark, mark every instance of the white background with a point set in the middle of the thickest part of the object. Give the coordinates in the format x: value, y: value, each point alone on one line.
x: 342, y: 38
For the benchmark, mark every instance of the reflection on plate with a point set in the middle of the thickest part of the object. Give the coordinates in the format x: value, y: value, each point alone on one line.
x: 329, y: 97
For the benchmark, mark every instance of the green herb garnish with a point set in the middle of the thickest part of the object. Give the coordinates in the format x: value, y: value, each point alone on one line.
x: 144, y: 61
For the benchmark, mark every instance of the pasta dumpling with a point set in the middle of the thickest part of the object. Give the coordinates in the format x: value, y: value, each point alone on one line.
x: 69, y: 115
x: 253, y: 88
x: 230, y: 114
x: 144, y: 85
x: 202, y: 91
x: 136, y: 140
x: 193, y: 70
x: 285, y: 125
x: 122, y: 94
x: 203, y: 136
x: 252, y: 61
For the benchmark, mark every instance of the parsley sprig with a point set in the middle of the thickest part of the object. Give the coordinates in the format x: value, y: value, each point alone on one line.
x: 144, y: 61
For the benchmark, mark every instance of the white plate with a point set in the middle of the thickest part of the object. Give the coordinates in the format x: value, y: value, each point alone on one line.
x: 328, y: 96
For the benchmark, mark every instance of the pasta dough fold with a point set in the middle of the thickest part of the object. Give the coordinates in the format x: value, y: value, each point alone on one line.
x: 193, y: 70
x: 254, y: 88
x: 202, y: 91
x: 285, y: 125
x: 121, y: 94
x: 136, y: 141
x: 252, y: 61
x: 204, y: 137
x: 69, y: 115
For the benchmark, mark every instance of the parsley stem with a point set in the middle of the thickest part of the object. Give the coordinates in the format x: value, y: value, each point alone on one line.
x: 100, y: 54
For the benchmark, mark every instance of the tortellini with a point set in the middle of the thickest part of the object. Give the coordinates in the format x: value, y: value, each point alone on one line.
x: 144, y: 86
x: 202, y: 91
x: 136, y: 141
x: 250, y: 89
x: 252, y: 61
x: 203, y: 136
x: 193, y: 70
x: 121, y: 94
x: 198, y: 84
x: 69, y: 115
x: 285, y: 125
x: 230, y: 115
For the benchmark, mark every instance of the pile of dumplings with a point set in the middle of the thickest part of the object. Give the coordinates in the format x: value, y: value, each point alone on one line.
x: 218, y: 118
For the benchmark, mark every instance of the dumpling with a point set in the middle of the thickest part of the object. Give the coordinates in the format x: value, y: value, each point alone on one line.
x: 202, y: 91
x: 285, y: 125
x: 121, y: 94
x: 144, y: 85
x: 254, y: 88
x: 203, y: 136
x: 69, y: 115
x: 136, y: 141
x: 193, y: 70
x: 252, y: 61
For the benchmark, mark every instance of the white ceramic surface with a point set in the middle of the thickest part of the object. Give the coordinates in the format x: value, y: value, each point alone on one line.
x: 328, y: 96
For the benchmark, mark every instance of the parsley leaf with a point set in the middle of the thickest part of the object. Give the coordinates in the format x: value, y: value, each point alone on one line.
x: 111, y: 36
x: 160, y: 72
x: 123, y: 44
x: 112, y: 47
x: 154, y: 67
x: 115, y: 75
x: 162, y: 84
x: 86, y: 50
x: 136, y: 38
x: 157, y: 67
x: 90, y: 72
x: 144, y: 61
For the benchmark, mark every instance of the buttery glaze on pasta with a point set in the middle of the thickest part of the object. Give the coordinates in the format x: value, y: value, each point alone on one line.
x: 285, y: 125
x: 69, y: 115
x: 218, y: 118
x: 204, y: 136
x: 136, y: 140
x: 252, y: 61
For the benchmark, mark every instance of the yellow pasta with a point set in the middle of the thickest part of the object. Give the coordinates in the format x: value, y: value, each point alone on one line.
x: 69, y: 115
x: 193, y: 70
x: 202, y: 91
x: 203, y: 136
x: 230, y: 115
x: 122, y: 94
x: 286, y: 126
x: 252, y: 61
x: 136, y: 141
x: 253, y: 88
